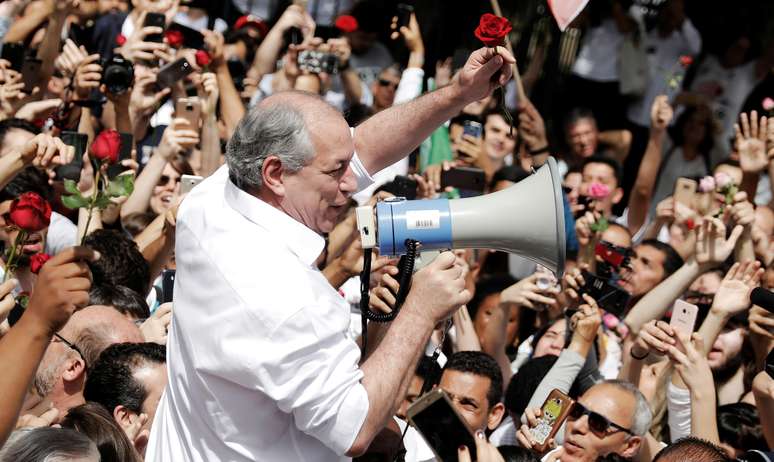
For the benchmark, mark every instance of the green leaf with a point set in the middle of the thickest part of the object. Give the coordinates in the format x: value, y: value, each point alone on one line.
x: 600, y: 225
x: 75, y: 202
x: 122, y: 185
x: 71, y: 187
x: 102, y: 201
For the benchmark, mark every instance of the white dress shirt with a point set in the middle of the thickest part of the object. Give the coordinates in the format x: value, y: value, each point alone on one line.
x: 260, y: 367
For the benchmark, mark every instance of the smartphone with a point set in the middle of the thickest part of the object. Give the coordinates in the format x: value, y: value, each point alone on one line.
x: 465, y: 178
x: 317, y: 62
x: 127, y: 143
x: 442, y: 428
x: 14, y: 53
x: 72, y: 171
x: 31, y: 74
x: 684, y: 317
x: 155, y: 20
x: 402, y: 186
x: 472, y: 128
x: 609, y: 296
x: 404, y: 15
x: 192, y: 38
x: 167, y: 285
x: 685, y: 191
x: 172, y: 73
x: 187, y: 183
x: 553, y: 412
x: 190, y: 109
x: 293, y: 36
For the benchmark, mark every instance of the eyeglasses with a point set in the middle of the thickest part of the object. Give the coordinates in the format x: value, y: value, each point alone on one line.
x: 72, y: 346
x: 598, y: 423
x: 388, y: 83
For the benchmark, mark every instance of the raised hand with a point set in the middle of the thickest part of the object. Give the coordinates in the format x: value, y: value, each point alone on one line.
x: 485, y: 451
x: 44, y: 151
x: 208, y: 91
x: 712, y: 246
x: 687, y: 354
x: 586, y: 321
x: 71, y: 57
x: 154, y: 329
x: 177, y: 138
x: 524, y: 435
x: 532, y: 129
x: 88, y: 76
x: 137, y: 49
x: 733, y: 295
x: 474, y: 80
x: 655, y: 336
x: 144, y: 98
x: 61, y: 289
x: 751, y: 142
x: 527, y: 293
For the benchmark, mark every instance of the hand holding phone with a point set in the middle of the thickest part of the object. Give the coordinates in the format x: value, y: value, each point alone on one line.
x: 543, y: 423
x: 684, y: 317
x: 155, y: 20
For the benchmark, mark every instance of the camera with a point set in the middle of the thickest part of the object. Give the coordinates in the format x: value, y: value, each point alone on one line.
x: 603, y: 286
x: 117, y: 74
x: 317, y: 62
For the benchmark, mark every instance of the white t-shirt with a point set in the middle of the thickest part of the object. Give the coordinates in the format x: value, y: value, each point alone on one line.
x: 260, y: 367
x: 599, y: 53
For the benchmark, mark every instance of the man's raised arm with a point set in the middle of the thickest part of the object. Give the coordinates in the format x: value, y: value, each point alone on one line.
x: 393, y: 133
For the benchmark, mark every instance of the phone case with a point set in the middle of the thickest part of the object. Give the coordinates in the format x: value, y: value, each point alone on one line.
x: 31, y: 73
x: 685, y: 191
x: 467, y: 178
x: 187, y: 183
x: 684, y: 316
x: 172, y: 73
x: 554, y: 411
x: 155, y: 20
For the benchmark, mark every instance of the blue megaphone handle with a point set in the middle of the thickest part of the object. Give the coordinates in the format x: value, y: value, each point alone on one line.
x: 426, y: 221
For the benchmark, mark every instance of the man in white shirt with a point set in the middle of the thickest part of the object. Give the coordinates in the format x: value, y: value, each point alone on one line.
x: 260, y: 367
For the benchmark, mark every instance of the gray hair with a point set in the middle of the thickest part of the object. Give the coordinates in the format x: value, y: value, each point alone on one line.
x: 642, y: 413
x: 277, y: 130
x: 48, y: 444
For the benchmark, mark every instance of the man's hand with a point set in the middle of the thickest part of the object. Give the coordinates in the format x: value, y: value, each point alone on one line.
x: 46, y: 419
x: 215, y: 45
x: 177, y: 138
x: 44, y: 151
x: 751, y: 142
x: 154, y: 329
x: 733, y: 295
x: 474, y: 81
x: 761, y: 322
x: 583, y: 227
x: 527, y: 293
x: 742, y: 211
x: 524, y: 435
x: 7, y: 301
x: 61, y: 289
x: 438, y: 290
x: 88, y: 76
x: 712, y: 247
x: 296, y: 16
x: 208, y: 91
x: 144, y: 99
x: 70, y: 59
x: 469, y: 149
x: 655, y: 336
x: 137, y: 49
x: 691, y: 363
x: 586, y: 321
x: 661, y: 113
x: 531, y: 126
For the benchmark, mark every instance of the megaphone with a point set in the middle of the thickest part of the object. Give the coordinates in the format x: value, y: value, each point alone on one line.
x: 526, y: 219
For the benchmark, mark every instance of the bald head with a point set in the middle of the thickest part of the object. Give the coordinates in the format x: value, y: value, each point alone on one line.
x: 310, y: 106
x: 96, y: 327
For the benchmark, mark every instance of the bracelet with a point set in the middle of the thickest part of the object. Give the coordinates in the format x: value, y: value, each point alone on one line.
x: 534, y: 152
x: 638, y: 358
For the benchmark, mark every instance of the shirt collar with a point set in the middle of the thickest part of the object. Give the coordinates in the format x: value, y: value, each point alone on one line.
x: 302, y: 241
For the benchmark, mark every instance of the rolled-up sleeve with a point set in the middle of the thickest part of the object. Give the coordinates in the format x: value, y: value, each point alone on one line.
x: 310, y: 369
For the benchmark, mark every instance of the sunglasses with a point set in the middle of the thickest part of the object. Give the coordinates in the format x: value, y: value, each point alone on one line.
x: 164, y: 180
x: 598, y: 423
x: 72, y: 346
x: 387, y: 83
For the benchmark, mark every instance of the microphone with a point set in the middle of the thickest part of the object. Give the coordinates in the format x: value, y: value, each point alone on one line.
x: 763, y: 298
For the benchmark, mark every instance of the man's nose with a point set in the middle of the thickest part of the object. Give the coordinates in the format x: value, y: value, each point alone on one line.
x: 348, y: 184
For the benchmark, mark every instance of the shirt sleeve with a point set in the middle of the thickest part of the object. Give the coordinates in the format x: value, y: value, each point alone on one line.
x: 311, y: 371
x: 678, y: 411
x: 364, y: 179
x: 561, y: 376
x: 410, y: 85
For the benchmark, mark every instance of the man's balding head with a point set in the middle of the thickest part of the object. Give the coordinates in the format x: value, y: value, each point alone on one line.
x: 96, y: 327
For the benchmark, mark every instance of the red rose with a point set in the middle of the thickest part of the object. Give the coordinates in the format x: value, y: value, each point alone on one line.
x: 203, y: 59
x: 120, y: 40
x: 106, y: 146
x: 492, y: 30
x: 690, y: 224
x: 37, y: 261
x: 346, y: 23
x: 30, y: 212
x: 686, y: 60
x: 174, y: 38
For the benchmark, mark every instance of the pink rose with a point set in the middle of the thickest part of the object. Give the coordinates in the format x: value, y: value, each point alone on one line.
x: 598, y: 191
x: 707, y: 184
x: 723, y: 180
x: 768, y: 103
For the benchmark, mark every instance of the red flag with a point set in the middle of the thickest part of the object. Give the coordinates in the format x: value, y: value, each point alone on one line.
x: 565, y: 11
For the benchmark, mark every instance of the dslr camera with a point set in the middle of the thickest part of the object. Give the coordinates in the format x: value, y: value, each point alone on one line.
x: 603, y: 285
x: 117, y: 74
x: 318, y: 62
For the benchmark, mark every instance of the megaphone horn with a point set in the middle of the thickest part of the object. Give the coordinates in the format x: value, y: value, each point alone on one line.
x: 526, y: 219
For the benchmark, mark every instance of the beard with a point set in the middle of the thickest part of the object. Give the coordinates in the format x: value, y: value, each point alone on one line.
x: 725, y: 371
x: 46, y: 377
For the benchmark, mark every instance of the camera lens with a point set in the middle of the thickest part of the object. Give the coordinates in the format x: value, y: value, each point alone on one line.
x: 118, y: 75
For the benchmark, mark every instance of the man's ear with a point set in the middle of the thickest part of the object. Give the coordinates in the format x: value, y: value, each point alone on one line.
x: 75, y: 369
x: 271, y: 175
x: 495, y: 416
x: 124, y: 416
x: 617, y: 195
x: 631, y: 447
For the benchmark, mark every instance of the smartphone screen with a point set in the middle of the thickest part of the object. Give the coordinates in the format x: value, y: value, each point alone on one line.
x: 167, y: 285
x: 72, y: 171
x: 14, y: 54
x: 472, y: 128
x: 31, y: 73
x: 441, y: 427
x: 173, y: 73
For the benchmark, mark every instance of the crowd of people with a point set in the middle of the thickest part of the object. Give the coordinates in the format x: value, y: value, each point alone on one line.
x: 113, y: 111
